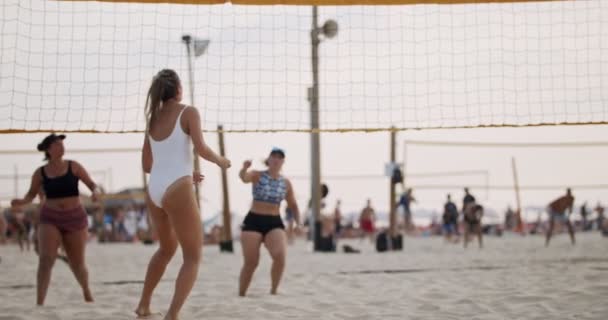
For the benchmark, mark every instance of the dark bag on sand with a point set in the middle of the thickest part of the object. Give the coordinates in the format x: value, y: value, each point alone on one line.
x: 327, y: 244
x: 398, y: 242
x: 349, y: 249
x: 382, y: 242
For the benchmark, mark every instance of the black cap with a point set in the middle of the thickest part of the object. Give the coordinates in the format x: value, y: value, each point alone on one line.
x: 277, y: 151
x: 46, y: 143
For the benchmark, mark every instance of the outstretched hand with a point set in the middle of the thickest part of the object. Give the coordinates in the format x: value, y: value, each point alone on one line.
x: 247, y: 164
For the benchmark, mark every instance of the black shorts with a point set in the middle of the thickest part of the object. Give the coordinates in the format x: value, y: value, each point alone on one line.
x: 262, y: 223
x: 473, y: 223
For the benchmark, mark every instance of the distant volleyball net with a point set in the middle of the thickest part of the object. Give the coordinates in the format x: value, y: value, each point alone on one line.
x: 86, y: 66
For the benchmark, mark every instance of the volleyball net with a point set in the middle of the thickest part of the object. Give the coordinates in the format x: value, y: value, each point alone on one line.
x: 85, y: 66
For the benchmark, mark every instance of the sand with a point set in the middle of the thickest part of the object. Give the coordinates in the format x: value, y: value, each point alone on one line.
x: 511, y: 278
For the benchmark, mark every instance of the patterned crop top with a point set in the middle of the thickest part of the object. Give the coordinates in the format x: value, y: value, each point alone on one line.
x: 269, y: 189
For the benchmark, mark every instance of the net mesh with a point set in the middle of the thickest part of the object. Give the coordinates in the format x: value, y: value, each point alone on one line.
x: 86, y: 66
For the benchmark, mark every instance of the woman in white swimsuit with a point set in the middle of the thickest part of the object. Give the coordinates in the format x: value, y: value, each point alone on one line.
x: 166, y: 155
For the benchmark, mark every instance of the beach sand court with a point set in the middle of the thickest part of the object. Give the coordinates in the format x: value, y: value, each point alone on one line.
x: 511, y: 278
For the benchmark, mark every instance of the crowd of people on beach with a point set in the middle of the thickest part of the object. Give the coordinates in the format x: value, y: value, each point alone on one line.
x: 130, y: 222
x: 463, y: 223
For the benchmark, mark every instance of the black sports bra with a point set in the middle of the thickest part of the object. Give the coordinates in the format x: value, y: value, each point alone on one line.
x: 60, y: 187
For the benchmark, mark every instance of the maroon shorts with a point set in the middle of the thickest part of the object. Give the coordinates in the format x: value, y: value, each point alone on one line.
x: 367, y: 226
x: 65, y: 220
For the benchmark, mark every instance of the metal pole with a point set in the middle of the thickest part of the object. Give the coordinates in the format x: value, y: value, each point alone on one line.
x: 226, y: 236
x: 315, y: 138
x: 517, y: 198
x: 392, y: 206
x: 197, y: 166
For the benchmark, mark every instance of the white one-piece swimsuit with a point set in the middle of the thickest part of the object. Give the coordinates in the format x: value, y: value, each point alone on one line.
x: 171, y: 160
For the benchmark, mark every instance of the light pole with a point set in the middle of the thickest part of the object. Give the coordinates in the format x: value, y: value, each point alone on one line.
x: 196, y: 47
x: 328, y: 30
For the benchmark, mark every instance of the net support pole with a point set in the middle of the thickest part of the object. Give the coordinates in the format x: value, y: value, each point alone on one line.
x: 315, y: 141
x: 226, y: 236
x: 187, y: 39
x: 517, y: 197
x: 392, y: 204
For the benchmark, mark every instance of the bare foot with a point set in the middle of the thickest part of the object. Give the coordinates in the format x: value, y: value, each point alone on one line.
x: 144, y: 313
x: 274, y: 292
x: 88, y: 297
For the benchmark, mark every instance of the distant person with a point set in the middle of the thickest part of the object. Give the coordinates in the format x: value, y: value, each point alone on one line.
x: 130, y: 223
x: 557, y: 212
x: 450, y: 220
x: 468, y: 200
x: 98, y: 224
x: 108, y: 227
x: 338, y: 218
x: 19, y: 223
x: 405, y: 201
x: 63, y: 219
x: 435, y: 228
x: 510, y: 219
x: 584, y: 214
x: 472, y: 219
x: 263, y: 224
x: 144, y: 233
x: 120, y: 226
x: 327, y: 241
x: 599, y: 209
x: 173, y: 130
x: 601, y: 221
x: 367, y: 221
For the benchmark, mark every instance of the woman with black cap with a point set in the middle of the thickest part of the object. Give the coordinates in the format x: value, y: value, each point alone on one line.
x: 263, y: 223
x: 63, y: 219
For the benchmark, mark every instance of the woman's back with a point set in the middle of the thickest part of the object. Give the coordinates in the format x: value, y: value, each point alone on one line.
x: 166, y: 121
x: 171, y: 151
x: 171, y: 146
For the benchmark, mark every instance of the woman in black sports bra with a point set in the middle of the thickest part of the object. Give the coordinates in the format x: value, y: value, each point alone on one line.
x: 63, y: 220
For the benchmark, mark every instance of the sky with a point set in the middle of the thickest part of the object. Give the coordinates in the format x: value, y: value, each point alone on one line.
x: 78, y: 66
